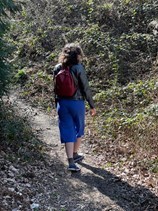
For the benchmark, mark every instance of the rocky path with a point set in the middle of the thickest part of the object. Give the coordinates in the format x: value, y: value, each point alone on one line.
x: 47, y: 185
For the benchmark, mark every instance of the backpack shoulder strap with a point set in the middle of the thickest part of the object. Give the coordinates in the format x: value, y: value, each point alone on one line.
x: 57, y: 69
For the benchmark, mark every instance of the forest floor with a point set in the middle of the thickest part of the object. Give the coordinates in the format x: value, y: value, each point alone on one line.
x: 44, y: 184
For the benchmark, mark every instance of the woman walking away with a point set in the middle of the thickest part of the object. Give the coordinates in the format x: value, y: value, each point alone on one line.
x: 71, y: 109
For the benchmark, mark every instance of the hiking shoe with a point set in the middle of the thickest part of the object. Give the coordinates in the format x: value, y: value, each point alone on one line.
x: 73, y: 167
x: 78, y: 158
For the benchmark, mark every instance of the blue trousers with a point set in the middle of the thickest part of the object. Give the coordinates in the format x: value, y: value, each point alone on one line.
x: 71, y: 115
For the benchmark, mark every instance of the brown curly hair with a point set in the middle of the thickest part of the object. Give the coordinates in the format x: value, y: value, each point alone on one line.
x: 70, y: 54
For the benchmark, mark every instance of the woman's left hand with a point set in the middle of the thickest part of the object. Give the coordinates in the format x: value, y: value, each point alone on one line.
x: 93, y: 111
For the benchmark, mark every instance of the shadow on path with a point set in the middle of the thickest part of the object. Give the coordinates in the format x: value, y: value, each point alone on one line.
x: 129, y: 198
x: 32, y: 175
x: 41, y: 176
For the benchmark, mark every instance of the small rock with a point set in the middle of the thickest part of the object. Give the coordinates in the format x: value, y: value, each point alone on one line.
x: 7, y: 197
x: 28, y: 185
x: 11, y: 174
x: 15, y: 209
x: 11, y: 189
x: 9, y: 180
x: 34, y: 206
x: 12, y: 168
x: 20, y: 194
x: 61, y: 174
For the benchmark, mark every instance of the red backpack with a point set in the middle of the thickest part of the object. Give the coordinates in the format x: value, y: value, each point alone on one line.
x: 64, y: 83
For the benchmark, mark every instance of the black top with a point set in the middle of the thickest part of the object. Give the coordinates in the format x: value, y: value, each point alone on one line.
x: 83, y: 91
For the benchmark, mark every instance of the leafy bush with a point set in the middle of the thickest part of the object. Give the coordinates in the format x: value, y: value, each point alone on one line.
x: 21, y: 76
x: 5, y: 70
x: 129, y: 113
x: 117, y: 37
x: 16, y: 135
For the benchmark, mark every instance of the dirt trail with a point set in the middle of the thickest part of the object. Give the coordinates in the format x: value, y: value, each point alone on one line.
x: 93, y: 189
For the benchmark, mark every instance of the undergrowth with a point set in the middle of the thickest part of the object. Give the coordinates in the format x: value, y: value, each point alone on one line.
x: 18, y: 142
x: 129, y: 115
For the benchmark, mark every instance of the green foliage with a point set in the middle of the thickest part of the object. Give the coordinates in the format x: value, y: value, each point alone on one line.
x: 117, y: 37
x: 21, y: 76
x: 129, y: 112
x: 17, y: 137
x: 5, y: 49
x: 37, y: 85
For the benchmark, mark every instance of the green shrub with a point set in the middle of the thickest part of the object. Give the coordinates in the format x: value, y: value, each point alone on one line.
x: 5, y: 68
x: 16, y: 135
x: 129, y: 112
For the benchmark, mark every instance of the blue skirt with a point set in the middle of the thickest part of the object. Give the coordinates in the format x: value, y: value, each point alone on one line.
x: 71, y: 115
